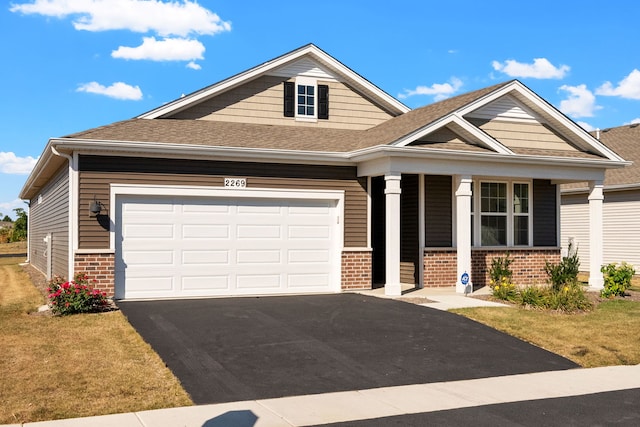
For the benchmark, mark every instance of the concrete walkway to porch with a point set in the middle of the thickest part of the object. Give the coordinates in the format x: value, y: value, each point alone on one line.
x: 444, y: 298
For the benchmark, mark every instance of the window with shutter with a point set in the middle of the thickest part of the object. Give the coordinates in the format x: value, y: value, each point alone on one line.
x: 304, y: 99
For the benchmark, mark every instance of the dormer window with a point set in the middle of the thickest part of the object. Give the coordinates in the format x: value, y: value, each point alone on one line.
x: 304, y: 99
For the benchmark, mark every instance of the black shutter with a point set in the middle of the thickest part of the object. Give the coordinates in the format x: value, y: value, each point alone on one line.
x: 289, y: 99
x: 323, y: 102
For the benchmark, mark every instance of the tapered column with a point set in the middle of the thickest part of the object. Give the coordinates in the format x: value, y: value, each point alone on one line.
x: 596, y: 235
x: 392, y: 227
x: 463, y: 233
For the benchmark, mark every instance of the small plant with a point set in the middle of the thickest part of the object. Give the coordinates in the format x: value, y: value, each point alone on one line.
x: 500, y: 270
x: 617, y: 279
x: 505, y: 291
x: 566, y: 272
x: 570, y: 298
x: 75, y: 296
x: 532, y: 296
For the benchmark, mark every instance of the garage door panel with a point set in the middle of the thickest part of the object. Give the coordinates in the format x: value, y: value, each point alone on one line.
x: 149, y: 231
x: 259, y: 281
x: 205, y: 283
x: 190, y: 257
x: 259, y: 232
x: 146, y: 258
x: 258, y: 257
x: 201, y: 231
x: 194, y: 246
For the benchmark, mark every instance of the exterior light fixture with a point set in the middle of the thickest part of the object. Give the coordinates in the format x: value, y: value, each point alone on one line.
x: 95, y: 207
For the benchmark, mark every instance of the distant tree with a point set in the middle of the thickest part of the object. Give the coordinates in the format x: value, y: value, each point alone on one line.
x: 19, y: 232
x: 6, y: 218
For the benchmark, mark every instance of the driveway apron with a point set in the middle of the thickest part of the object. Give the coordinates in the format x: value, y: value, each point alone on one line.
x: 233, y: 349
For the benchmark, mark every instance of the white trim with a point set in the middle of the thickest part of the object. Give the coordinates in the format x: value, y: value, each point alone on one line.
x: 86, y: 251
x: 72, y: 203
x: 309, y: 50
x: 306, y: 81
x: 356, y: 249
x: 369, y: 211
x: 392, y: 190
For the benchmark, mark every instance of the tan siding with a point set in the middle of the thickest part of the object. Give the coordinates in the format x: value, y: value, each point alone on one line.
x: 51, y: 215
x: 260, y: 101
x: 524, y: 135
x: 574, y: 223
x: 94, y: 235
x: 621, y: 227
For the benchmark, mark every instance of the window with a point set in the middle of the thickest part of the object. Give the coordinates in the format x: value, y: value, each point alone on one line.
x: 502, y: 214
x: 305, y: 99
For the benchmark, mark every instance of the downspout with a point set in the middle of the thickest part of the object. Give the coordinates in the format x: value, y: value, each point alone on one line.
x: 72, y: 210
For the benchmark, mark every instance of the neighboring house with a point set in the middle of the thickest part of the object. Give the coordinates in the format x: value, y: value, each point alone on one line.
x: 300, y: 176
x: 621, y: 229
x: 6, y: 224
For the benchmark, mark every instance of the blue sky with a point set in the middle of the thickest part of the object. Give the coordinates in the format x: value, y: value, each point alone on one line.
x: 70, y: 65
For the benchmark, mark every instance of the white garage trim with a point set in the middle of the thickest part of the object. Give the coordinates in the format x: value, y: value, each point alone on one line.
x: 127, y: 197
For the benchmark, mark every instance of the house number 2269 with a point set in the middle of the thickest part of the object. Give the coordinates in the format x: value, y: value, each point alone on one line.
x: 235, y: 182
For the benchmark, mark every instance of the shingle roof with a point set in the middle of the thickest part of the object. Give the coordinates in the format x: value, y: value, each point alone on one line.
x: 625, y: 141
x: 244, y: 135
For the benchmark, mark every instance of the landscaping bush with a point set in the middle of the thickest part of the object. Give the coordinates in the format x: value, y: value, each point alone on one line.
x: 566, y: 272
x: 75, y: 296
x: 617, y: 279
x: 570, y: 298
x: 532, y: 296
x: 500, y: 278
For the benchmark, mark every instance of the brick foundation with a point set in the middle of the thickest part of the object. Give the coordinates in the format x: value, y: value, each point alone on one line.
x: 440, y: 265
x: 356, y: 269
x: 100, y: 267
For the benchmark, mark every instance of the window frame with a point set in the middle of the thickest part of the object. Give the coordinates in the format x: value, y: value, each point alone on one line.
x: 510, y: 214
x: 306, y: 81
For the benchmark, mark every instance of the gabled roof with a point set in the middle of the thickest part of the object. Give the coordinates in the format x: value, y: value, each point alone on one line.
x: 309, y: 51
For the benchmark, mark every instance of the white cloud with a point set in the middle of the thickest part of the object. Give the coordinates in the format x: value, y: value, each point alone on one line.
x: 12, y: 164
x: 629, y: 87
x: 6, y: 208
x: 194, y: 66
x: 581, y: 101
x: 117, y: 90
x: 179, y: 18
x: 633, y: 122
x: 540, y: 69
x: 439, y: 90
x: 168, y: 49
x: 586, y: 126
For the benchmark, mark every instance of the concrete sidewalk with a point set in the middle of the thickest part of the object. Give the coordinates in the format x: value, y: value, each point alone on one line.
x: 445, y: 298
x: 376, y: 403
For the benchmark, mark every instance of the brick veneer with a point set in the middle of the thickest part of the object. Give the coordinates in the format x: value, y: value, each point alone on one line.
x: 99, y: 267
x: 356, y: 269
x: 440, y: 265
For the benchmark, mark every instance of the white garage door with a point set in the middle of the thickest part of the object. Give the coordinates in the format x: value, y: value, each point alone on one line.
x: 191, y: 246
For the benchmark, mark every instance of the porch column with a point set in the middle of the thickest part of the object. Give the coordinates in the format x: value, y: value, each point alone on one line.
x: 392, y: 232
x: 596, y: 235
x: 463, y: 232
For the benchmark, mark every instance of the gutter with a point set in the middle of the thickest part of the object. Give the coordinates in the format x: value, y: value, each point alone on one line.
x: 73, y: 211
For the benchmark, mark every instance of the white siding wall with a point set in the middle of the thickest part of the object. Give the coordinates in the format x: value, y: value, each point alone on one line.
x: 621, y: 227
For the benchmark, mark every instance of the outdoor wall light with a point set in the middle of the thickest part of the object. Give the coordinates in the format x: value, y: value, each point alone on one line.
x: 95, y: 207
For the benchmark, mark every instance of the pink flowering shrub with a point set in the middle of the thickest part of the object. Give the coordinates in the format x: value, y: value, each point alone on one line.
x: 75, y: 296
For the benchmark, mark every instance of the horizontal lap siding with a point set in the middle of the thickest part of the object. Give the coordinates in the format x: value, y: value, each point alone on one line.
x: 261, y: 102
x: 51, y: 215
x: 574, y: 223
x: 97, y: 174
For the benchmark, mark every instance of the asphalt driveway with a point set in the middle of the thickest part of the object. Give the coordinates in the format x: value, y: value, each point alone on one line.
x: 233, y: 349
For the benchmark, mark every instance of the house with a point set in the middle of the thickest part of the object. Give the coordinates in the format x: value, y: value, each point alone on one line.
x: 300, y: 176
x: 621, y: 227
x: 6, y: 224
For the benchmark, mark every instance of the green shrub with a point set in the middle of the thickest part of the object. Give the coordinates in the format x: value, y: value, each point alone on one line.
x: 570, y: 298
x: 566, y: 272
x: 617, y: 279
x: 500, y: 269
x: 505, y: 291
x: 75, y: 296
x: 532, y: 296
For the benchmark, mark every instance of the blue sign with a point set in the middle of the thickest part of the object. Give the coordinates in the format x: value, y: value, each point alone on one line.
x: 464, y: 279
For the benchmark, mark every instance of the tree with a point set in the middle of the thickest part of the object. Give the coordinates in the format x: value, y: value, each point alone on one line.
x: 19, y: 232
x: 6, y: 218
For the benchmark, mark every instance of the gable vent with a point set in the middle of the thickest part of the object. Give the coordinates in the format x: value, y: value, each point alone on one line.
x: 506, y: 108
x: 303, y: 67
